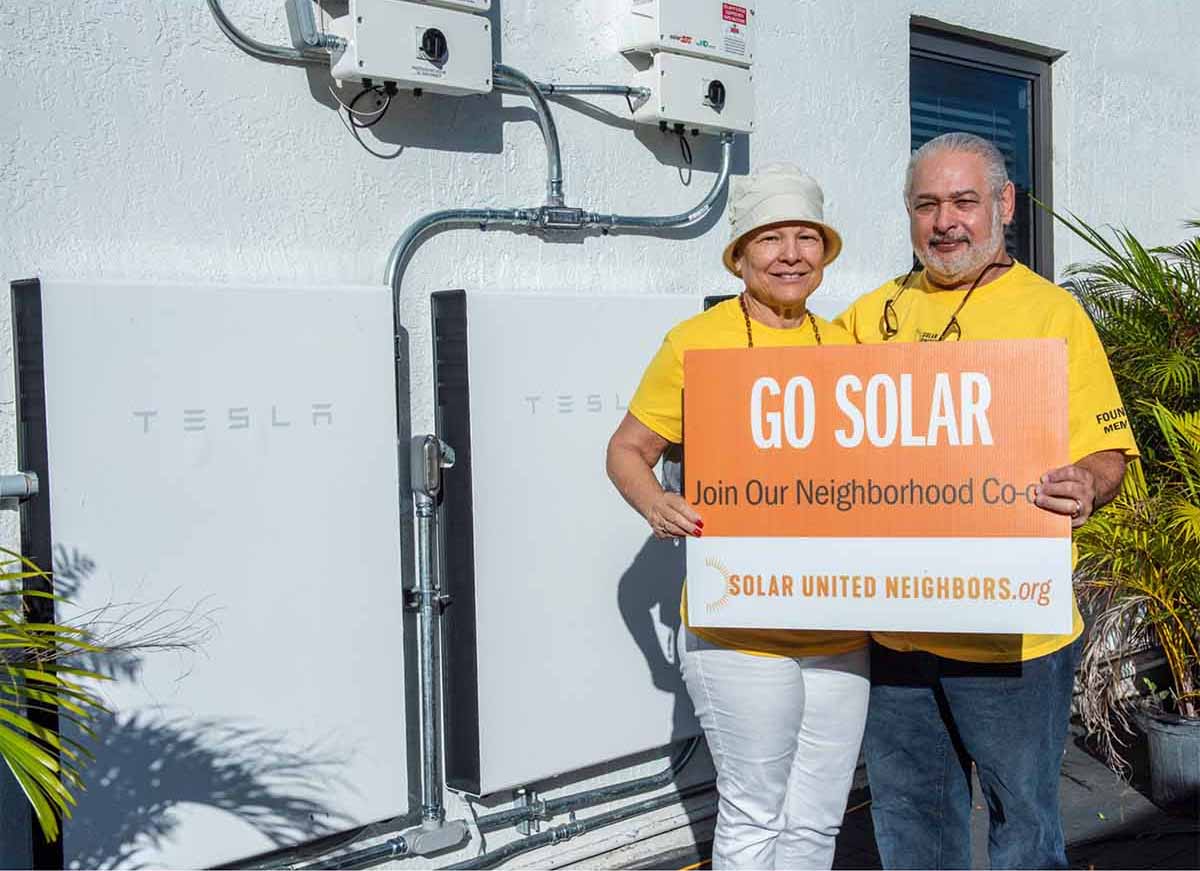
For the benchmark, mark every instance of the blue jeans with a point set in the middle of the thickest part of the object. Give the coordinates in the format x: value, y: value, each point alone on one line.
x: 929, y: 719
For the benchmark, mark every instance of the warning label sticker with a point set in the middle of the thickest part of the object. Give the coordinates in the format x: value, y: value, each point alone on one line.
x: 733, y: 12
x: 734, y: 41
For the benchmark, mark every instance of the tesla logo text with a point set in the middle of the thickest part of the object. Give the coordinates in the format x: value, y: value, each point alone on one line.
x: 571, y: 403
x: 316, y: 414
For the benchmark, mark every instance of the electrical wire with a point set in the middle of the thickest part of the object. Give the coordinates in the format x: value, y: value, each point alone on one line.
x: 353, y: 129
x: 375, y: 116
x: 685, y: 148
x: 349, y: 107
x: 352, y: 123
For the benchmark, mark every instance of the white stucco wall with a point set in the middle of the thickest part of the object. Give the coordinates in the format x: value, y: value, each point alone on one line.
x: 137, y: 142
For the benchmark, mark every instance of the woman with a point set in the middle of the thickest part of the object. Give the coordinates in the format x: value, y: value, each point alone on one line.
x: 783, y: 710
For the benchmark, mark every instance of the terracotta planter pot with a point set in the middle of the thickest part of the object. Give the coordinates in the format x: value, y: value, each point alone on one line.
x: 1174, y: 758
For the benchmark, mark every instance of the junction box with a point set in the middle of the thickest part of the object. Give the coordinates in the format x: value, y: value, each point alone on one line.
x: 698, y: 94
x: 433, y: 46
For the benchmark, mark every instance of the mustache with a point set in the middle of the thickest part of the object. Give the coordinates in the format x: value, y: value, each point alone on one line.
x: 938, y: 238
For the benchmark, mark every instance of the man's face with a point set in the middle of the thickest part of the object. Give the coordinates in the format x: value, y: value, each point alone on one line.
x: 957, y: 223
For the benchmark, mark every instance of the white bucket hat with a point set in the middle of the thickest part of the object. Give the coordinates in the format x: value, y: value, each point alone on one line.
x: 777, y: 192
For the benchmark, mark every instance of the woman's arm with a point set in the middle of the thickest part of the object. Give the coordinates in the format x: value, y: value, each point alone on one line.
x: 633, y: 451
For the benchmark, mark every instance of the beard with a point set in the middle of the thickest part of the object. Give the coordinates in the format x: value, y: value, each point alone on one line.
x: 957, y: 267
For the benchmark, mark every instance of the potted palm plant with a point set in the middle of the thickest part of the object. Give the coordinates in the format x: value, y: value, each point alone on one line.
x: 1139, y: 568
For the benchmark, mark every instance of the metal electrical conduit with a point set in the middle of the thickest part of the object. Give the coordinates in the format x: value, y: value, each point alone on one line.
x: 543, y: 809
x: 396, y: 848
x: 262, y: 50
x: 550, y: 218
x: 566, y: 831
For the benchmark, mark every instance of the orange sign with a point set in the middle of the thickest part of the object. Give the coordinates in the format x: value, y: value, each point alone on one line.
x: 912, y: 461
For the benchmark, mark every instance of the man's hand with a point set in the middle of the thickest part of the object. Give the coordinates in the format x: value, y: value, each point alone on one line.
x: 1080, y: 489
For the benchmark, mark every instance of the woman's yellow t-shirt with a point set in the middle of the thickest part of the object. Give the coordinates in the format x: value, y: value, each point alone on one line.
x: 658, y: 404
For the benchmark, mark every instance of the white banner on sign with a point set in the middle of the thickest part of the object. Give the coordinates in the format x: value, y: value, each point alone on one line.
x: 997, y: 585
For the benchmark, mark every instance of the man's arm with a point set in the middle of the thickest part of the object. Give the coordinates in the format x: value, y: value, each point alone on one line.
x: 1079, y: 490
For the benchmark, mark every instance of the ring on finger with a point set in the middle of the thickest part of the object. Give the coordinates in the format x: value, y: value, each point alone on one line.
x: 1078, y: 508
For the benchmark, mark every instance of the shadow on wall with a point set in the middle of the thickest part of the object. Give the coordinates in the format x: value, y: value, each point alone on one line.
x: 147, y: 766
x: 149, y: 763
x: 648, y: 597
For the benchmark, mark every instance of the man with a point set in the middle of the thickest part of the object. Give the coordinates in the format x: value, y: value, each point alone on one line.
x: 940, y: 701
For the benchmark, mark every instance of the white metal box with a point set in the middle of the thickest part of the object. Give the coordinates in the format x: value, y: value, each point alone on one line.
x: 711, y: 29
x: 559, y: 642
x: 224, y: 457
x: 699, y: 94
x: 443, y: 51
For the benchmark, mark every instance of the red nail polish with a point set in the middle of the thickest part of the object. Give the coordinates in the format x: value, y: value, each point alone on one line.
x: 700, y: 523
x: 698, y: 533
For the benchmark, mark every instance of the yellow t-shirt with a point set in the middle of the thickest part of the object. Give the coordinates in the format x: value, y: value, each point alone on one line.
x: 1018, y: 305
x: 658, y: 404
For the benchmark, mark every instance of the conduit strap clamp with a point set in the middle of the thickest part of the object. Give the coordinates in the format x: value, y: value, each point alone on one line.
x: 429, y: 455
x: 19, y: 485
x: 415, y: 597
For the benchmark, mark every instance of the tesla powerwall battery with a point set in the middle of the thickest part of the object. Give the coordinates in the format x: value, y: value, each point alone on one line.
x: 221, y: 470
x: 559, y: 639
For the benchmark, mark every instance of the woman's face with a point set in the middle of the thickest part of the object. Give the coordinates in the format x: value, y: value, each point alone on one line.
x: 782, y: 264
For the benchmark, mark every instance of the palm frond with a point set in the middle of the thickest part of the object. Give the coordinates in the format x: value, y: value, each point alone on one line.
x: 34, y: 682
x: 1139, y: 566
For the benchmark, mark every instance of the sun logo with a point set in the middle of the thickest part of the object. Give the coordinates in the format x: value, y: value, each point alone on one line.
x: 719, y: 567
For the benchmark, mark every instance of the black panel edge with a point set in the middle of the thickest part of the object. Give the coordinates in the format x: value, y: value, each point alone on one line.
x: 460, y: 675
x: 33, y: 455
x: 716, y: 299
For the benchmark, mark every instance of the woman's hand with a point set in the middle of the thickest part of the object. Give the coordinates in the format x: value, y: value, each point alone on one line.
x: 670, y: 516
x: 633, y: 451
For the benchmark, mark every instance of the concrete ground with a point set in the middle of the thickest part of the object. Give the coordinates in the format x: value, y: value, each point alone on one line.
x: 1108, y: 824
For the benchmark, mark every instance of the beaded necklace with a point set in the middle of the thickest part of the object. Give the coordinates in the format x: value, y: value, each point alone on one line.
x: 750, y: 333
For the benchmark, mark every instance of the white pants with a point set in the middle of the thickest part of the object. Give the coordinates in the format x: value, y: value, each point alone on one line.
x: 784, y: 735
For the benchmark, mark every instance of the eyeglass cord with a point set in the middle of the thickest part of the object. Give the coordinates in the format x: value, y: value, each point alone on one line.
x: 889, y: 332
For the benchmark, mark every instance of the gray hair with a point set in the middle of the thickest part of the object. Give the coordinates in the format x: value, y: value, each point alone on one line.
x: 968, y: 143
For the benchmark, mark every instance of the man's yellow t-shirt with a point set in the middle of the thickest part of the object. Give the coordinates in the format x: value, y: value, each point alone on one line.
x: 1020, y: 304
x: 658, y: 404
